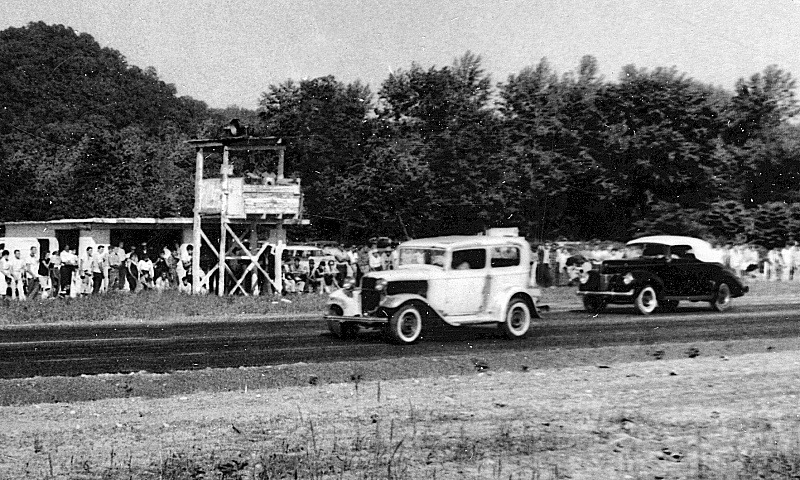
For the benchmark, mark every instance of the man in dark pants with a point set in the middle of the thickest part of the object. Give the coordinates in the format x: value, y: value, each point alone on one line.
x: 98, y: 273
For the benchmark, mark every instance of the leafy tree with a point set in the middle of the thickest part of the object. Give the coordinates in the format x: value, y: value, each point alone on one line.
x: 448, y: 110
x: 764, y: 163
x: 68, y: 106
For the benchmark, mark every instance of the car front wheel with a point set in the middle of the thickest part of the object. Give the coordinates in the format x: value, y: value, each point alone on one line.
x: 405, y: 326
x: 594, y: 304
x: 518, y: 319
x: 722, y: 300
x: 646, y: 301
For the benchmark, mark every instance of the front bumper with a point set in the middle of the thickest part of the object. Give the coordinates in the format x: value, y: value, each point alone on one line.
x: 627, y: 294
x: 360, y: 320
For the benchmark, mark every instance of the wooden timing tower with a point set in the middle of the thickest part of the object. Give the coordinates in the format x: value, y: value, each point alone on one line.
x: 225, y: 202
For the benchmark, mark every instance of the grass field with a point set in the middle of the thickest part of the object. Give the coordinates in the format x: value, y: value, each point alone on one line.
x: 152, y: 307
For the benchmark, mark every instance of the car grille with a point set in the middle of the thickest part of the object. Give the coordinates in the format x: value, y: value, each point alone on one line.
x: 597, y: 282
x: 370, y: 298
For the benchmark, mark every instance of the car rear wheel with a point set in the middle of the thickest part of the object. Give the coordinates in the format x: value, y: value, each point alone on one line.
x: 518, y: 319
x: 722, y: 299
x: 405, y: 326
x: 646, y: 300
x: 594, y: 304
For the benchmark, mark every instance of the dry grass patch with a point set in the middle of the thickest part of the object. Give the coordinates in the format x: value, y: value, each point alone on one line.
x: 702, y: 417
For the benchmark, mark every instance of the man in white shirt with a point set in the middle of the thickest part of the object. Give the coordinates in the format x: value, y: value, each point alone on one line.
x: 787, y: 254
x: 98, y: 268
x: 85, y: 272
x: 18, y: 276
x: 32, y: 273
x: 116, y: 261
x: 69, y: 264
x: 146, y: 272
x: 5, y: 273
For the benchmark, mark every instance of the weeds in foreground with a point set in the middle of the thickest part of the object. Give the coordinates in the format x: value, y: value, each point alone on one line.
x: 370, y: 442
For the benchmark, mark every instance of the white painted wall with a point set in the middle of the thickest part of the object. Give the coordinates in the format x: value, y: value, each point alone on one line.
x: 92, y: 238
x: 23, y: 237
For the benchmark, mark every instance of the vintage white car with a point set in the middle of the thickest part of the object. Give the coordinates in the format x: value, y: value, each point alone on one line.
x: 461, y: 280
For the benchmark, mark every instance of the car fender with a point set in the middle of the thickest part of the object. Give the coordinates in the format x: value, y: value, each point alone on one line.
x: 734, y: 282
x: 643, y: 277
x: 395, y: 301
x: 501, y: 303
x: 348, y: 300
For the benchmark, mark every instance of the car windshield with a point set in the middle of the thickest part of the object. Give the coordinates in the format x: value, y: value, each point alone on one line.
x: 421, y: 256
x: 302, y: 253
x: 646, y: 250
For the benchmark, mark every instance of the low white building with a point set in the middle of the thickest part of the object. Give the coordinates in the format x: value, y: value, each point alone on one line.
x: 54, y: 235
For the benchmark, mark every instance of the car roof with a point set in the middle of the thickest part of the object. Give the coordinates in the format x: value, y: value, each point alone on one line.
x: 702, y: 250
x: 301, y: 247
x: 672, y: 240
x: 455, y: 241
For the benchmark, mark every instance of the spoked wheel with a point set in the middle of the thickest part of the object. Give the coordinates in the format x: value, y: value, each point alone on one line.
x: 646, y: 301
x: 518, y: 319
x: 405, y: 326
x: 722, y: 300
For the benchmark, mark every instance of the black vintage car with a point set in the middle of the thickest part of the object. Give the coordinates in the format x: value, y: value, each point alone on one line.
x: 658, y: 273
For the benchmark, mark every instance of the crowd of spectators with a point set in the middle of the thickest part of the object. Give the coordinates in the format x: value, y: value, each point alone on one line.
x: 335, y: 268
x: 68, y: 273
x: 95, y: 271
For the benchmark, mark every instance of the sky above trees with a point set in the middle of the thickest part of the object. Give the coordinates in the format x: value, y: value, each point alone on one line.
x: 227, y: 53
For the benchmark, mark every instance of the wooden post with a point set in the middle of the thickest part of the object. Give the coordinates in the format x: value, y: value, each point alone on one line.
x: 197, y: 225
x: 254, y: 248
x: 280, y: 165
x: 223, y: 221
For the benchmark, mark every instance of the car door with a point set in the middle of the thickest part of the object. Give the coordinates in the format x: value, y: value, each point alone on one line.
x: 505, y: 269
x: 466, y: 283
x: 688, y: 272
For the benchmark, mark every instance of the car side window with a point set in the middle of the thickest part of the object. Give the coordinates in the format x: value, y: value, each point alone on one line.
x: 472, y: 259
x: 506, y: 256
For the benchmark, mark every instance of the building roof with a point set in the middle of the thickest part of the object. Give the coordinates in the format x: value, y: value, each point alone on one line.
x: 108, y: 221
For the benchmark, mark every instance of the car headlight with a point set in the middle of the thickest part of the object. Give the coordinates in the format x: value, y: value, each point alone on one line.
x: 584, y: 277
x: 628, y: 278
x: 349, y: 283
x: 380, y: 285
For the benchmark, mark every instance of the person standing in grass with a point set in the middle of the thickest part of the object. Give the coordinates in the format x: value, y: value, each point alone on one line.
x: 32, y: 273
x: 55, y: 273
x: 18, y: 276
x: 132, y: 271
x: 146, y: 272
x: 85, y: 269
x: 97, y: 270
x: 115, y: 261
x: 5, y: 274
x: 69, y: 267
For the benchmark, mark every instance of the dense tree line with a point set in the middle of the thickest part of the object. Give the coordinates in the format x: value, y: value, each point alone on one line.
x: 434, y: 151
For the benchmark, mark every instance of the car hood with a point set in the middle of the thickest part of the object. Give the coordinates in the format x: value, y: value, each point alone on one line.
x: 416, y: 272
